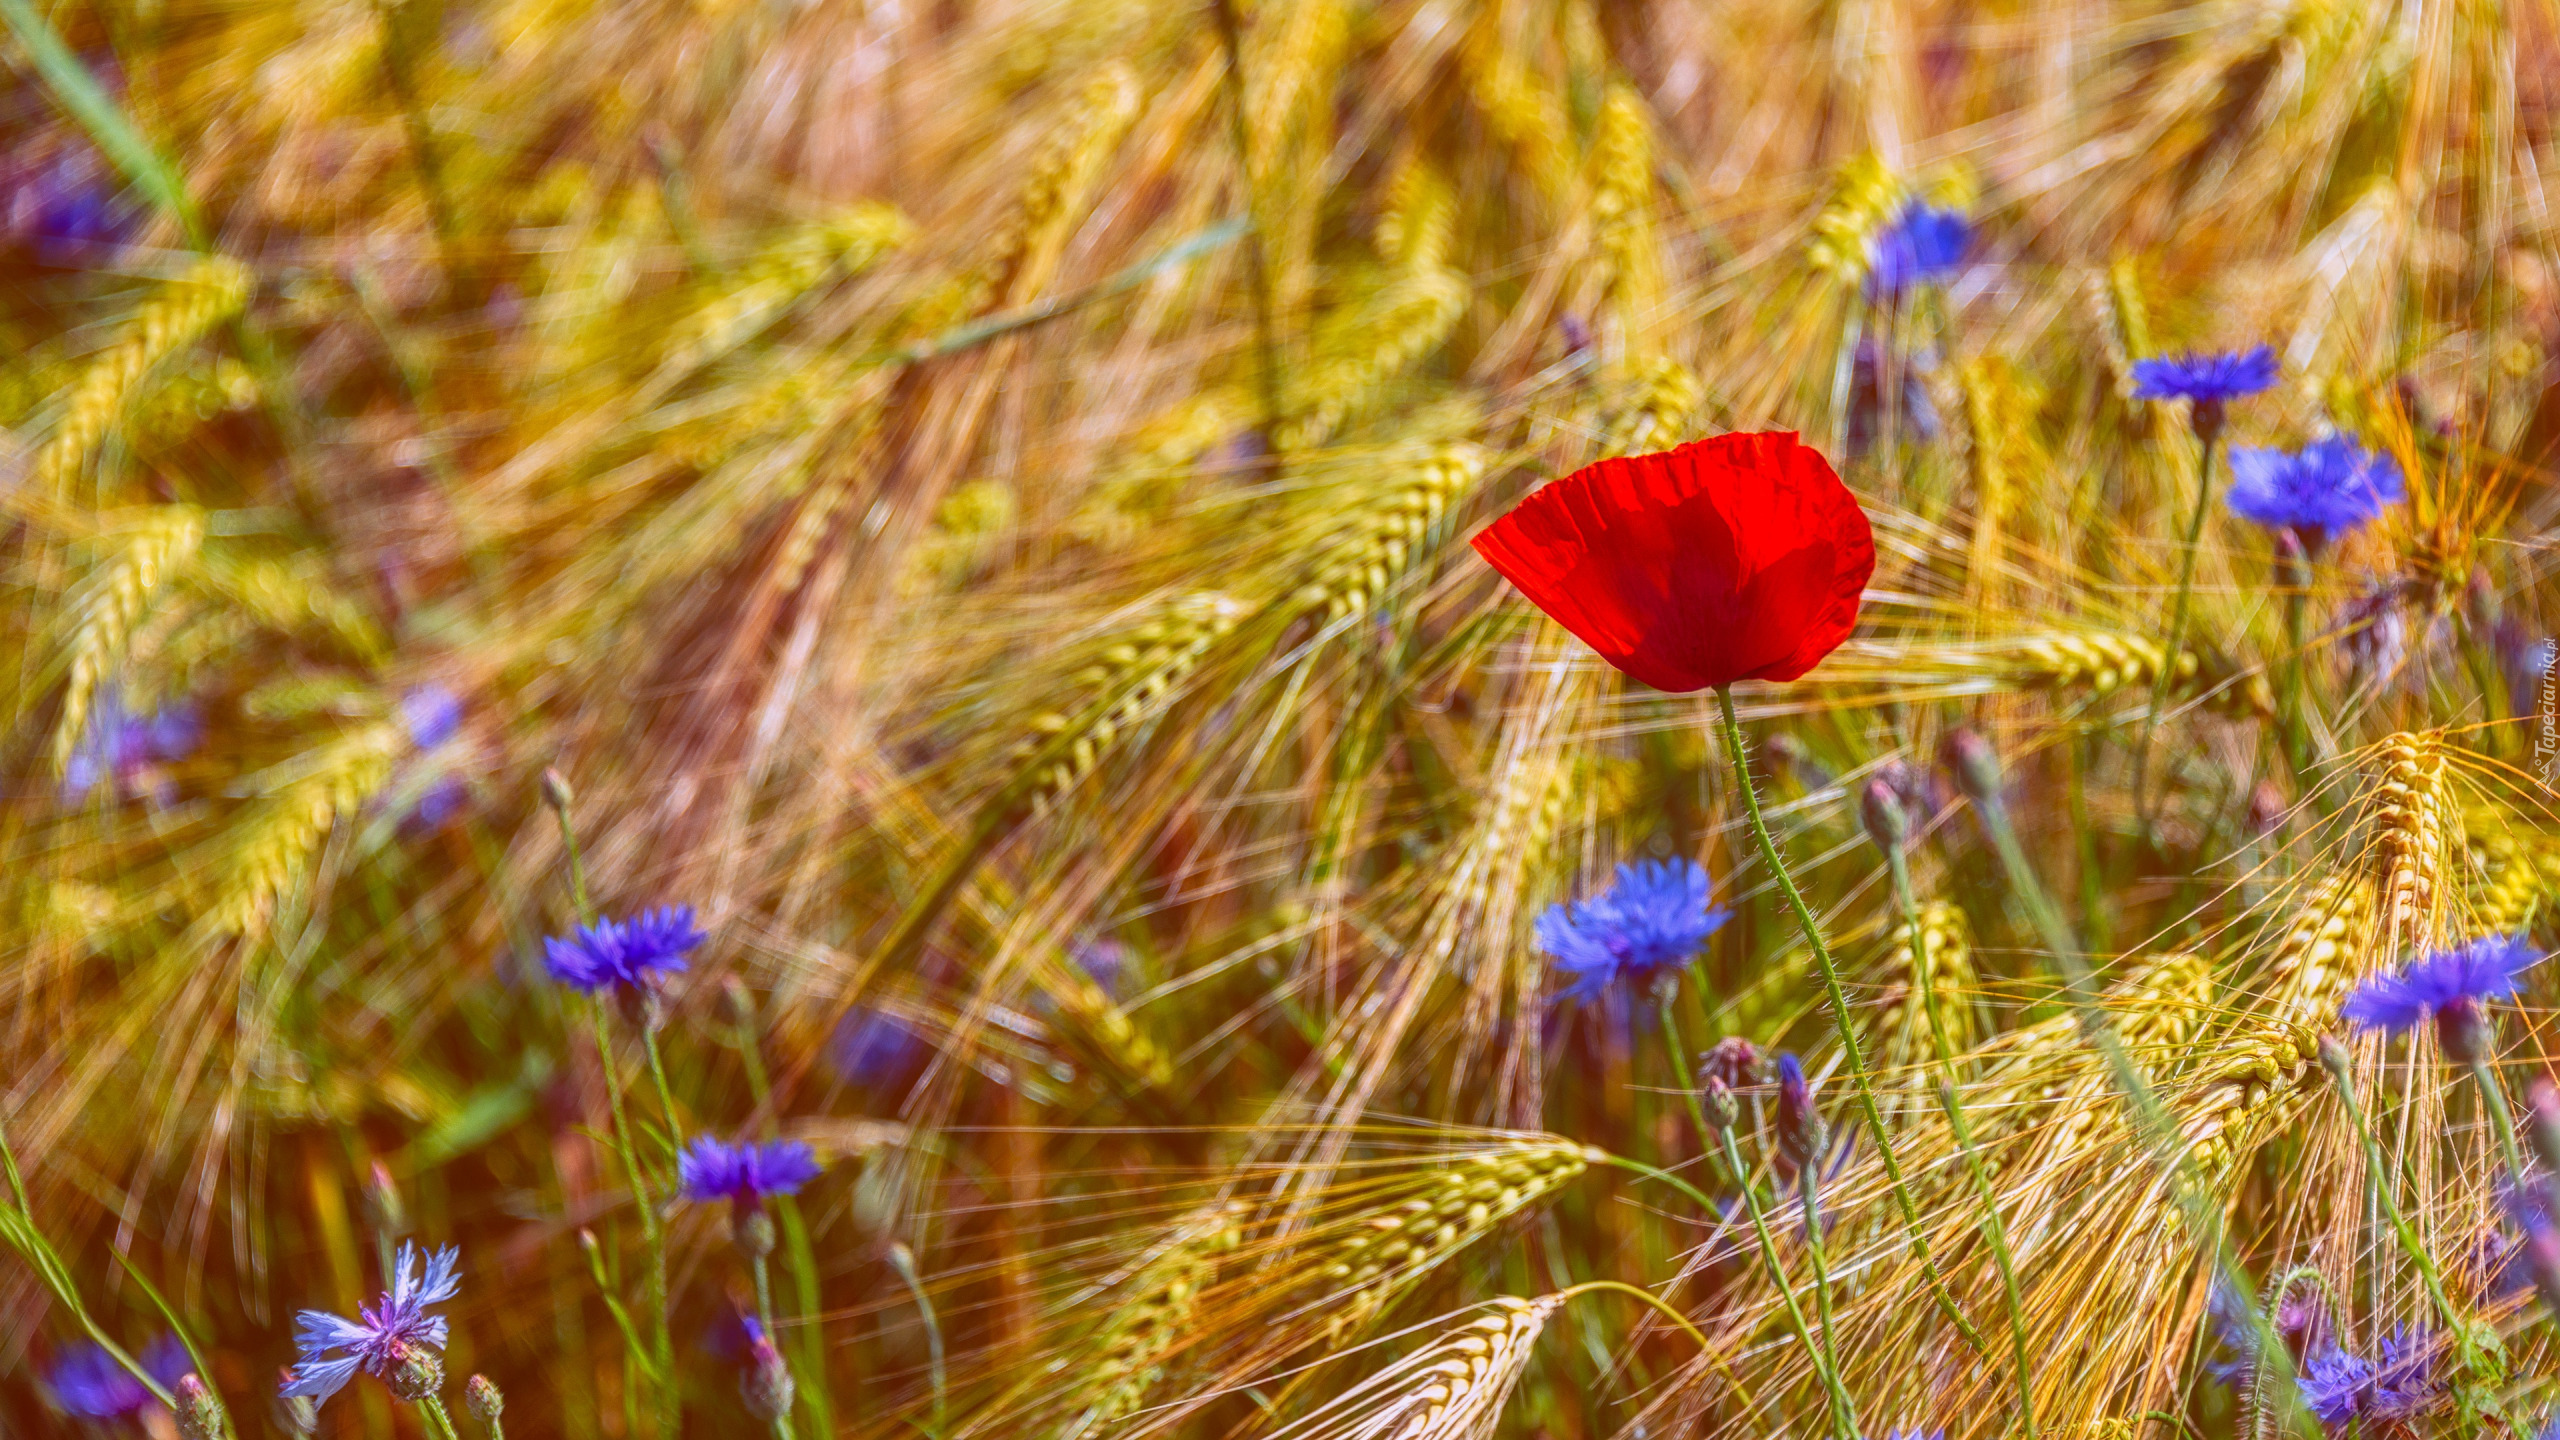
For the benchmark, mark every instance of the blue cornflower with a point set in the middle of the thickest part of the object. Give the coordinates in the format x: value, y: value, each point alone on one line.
x: 2206, y: 377
x: 744, y: 1173
x: 874, y: 1049
x: 1654, y: 916
x: 1921, y: 245
x: 2446, y: 984
x: 624, y: 952
x: 119, y: 745
x: 2340, y: 1387
x: 390, y: 1332
x: 89, y: 1383
x: 2320, y: 491
x: 431, y: 714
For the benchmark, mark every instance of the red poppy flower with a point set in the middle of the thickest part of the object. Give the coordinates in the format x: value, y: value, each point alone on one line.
x: 1735, y: 558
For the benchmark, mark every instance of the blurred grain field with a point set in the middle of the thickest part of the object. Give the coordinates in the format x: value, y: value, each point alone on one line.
x: 973, y: 499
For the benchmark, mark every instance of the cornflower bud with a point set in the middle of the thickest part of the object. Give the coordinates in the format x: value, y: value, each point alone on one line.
x: 751, y: 1230
x: 555, y: 789
x: 766, y: 1386
x: 1880, y: 810
x: 1718, y: 1103
x: 481, y: 1394
x: 1735, y: 1061
x: 1802, y: 1136
x: 294, y: 1414
x: 417, y: 1372
x: 1976, y: 767
x: 199, y: 1413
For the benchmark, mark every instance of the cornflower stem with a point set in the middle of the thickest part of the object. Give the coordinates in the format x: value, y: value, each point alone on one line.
x: 795, y: 1237
x: 2334, y: 1057
x: 439, y: 1419
x: 1849, y: 1047
x: 1844, y: 1414
x: 1996, y: 1235
x: 1665, y: 992
x: 666, y: 1095
x: 18, y: 1230
x: 2293, y: 577
x: 2208, y: 435
x: 662, y: 1336
x: 903, y: 1260
x: 2501, y: 1119
x: 1808, y: 1190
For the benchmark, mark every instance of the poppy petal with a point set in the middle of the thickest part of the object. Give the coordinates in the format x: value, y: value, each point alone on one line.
x: 1738, y: 557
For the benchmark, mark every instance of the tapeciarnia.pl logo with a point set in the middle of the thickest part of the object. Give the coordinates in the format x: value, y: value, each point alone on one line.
x: 2546, y: 718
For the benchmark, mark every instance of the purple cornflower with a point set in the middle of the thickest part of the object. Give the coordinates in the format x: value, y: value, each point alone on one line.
x: 119, y: 745
x: 2448, y: 986
x: 1869, y: 398
x: 1802, y: 1137
x: 874, y: 1049
x: 623, y: 952
x: 66, y: 199
x: 1922, y: 245
x: 431, y: 714
x: 89, y: 1383
x: 1105, y: 960
x: 744, y: 1173
x: 1902, y: 1432
x: 2341, y: 1388
x: 393, y: 1333
x: 2206, y: 377
x: 2319, y: 492
x: 1653, y: 917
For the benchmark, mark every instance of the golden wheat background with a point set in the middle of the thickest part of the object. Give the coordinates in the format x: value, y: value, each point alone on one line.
x: 973, y: 496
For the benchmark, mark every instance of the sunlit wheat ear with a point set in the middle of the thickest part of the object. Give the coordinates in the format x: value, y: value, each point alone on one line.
x: 1865, y: 196
x: 2322, y: 949
x: 1371, y: 1259
x: 106, y: 605
x: 786, y: 270
x: 269, y: 849
x: 1125, y: 684
x: 1911, y: 990
x: 2098, y: 662
x: 2513, y: 872
x: 211, y: 291
x: 1453, y: 1390
x: 2243, y: 1084
x: 1359, y: 351
x: 1521, y: 111
x: 1413, y: 231
x: 2409, y: 835
x: 1021, y: 255
x: 2124, y: 314
x: 1153, y: 1314
x: 1622, y: 156
x: 1369, y: 551
x: 1104, y: 1029
x: 1658, y: 408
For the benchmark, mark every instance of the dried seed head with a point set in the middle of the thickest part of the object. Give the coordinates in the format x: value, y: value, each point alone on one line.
x: 1734, y: 1061
x: 751, y: 1230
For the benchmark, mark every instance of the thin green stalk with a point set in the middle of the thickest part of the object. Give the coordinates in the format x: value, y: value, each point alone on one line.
x: 1666, y: 991
x: 2503, y: 1120
x: 1849, y: 1047
x: 439, y: 1420
x: 1808, y: 1187
x: 666, y: 1095
x: 1844, y: 1415
x: 1996, y: 1235
x: 1266, y: 334
x: 2209, y: 436
x: 1655, y: 1172
x: 1620, y: 1287
x: 2334, y: 1056
x: 79, y: 92
x: 795, y: 1239
x: 18, y: 1228
x: 903, y: 1260
x: 2293, y: 717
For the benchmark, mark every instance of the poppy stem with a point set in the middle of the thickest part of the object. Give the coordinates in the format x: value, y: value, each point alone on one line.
x: 1849, y: 1047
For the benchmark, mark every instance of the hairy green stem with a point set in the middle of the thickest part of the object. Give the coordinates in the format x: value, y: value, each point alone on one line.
x: 1808, y: 1188
x: 2493, y: 1096
x: 1849, y: 1047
